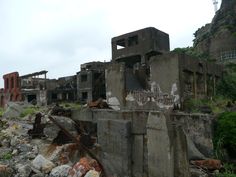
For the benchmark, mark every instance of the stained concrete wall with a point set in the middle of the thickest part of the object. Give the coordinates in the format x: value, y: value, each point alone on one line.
x: 115, y: 85
x: 199, y: 128
x: 184, y: 77
x: 138, y: 143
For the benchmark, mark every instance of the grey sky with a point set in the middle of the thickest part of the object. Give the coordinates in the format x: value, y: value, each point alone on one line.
x: 59, y: 35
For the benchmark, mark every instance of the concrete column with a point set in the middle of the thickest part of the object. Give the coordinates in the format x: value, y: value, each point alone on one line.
x: 137, y: 156
x: 160, y: 155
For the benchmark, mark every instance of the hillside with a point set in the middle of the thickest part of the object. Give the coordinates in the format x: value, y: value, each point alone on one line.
x: 218, y: 38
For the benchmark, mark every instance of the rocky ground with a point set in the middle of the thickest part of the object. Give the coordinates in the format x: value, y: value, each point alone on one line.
x: 26, y: 151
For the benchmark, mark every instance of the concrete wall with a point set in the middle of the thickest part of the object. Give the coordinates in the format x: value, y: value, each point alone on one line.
x: 199, y: 128
x: 138, y: 143
x: 115, y: 85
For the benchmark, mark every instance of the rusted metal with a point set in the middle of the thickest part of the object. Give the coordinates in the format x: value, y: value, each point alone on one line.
x: 80, y: 145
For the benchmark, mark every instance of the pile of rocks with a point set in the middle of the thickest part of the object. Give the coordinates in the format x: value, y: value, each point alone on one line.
x: 22, y: 156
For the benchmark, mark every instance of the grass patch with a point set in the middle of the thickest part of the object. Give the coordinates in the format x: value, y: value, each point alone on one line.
x: 29, y: 111
x: 71, y: 105
x: 1, y: 112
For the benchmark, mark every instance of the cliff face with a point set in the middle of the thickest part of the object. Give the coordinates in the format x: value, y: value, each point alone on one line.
x: 220, y: 35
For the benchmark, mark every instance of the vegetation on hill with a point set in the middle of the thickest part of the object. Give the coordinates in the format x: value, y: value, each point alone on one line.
x: 191, y: 52
x: 227, y: 86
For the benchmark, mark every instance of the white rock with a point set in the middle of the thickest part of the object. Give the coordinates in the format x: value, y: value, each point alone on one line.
x: 60, y: 171
x: 42, y: 164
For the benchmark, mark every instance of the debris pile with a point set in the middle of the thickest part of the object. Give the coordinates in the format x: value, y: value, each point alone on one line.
x: 41, y: 148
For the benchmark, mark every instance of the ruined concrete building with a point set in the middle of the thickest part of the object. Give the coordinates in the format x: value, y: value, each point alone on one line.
x: 142, y: 74
x: 143, y: 81
x: 139, y: 46
x: 37, y: 88
x: 154, y: 78
x: 91, y: 82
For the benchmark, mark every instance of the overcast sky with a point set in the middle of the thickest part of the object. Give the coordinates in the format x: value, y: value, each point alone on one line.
x: 59, y: 35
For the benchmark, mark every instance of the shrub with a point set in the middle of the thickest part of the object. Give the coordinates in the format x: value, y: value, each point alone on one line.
x: 7, y: 156
x: 227, y: 86
x: 225, y: 133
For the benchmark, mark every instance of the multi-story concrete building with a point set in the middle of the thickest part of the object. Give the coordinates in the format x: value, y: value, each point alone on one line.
x: 139, y: 46
x: 163, y: 80
x: 91, y: 81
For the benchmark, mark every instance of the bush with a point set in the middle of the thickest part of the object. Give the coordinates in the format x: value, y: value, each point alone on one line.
x: 227, y: 86
x: 7, y: 156
x: 225, y: 134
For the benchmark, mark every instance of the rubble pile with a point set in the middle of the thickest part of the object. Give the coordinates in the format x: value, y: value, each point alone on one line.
x: 36, y: 147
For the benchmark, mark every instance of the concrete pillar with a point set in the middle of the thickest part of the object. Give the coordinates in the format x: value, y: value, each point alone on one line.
x: 181, y: 163
x: 160, y: 155
x: 137, y: 156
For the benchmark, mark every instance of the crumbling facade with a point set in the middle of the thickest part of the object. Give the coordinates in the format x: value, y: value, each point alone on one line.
x: 62, y: 89
x: 33, y: 87
x: 166, y: 80
x: 36, y: 88
x: 11, y: 91
x: 91, y: 82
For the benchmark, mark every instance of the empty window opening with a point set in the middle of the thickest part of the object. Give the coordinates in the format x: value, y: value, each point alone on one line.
x: 84, y: 95
x: 54, y: 96
x: 31, y: 98
x: 84, y: 78
x: 120, y: 44
x: 133, y: 40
